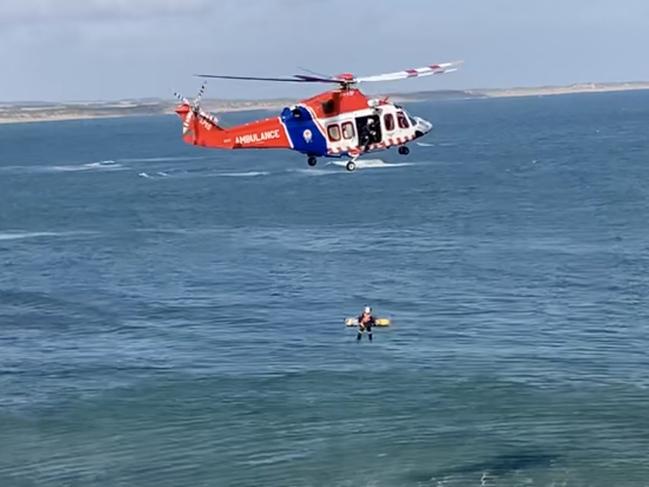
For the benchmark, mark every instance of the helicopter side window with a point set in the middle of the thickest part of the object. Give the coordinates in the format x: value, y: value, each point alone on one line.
x: 348, y: 130
x: 388, y: 121
x: 403, y: 121
x: 333, y: 131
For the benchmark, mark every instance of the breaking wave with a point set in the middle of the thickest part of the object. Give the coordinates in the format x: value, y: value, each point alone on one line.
x: 17, y: 235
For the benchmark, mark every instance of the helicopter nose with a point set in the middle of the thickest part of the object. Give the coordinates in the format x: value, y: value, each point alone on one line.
x: 423, y: 126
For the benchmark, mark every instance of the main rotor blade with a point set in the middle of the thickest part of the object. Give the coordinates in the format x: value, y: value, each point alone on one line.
x: 346, y: 80
x: 317, y: 79
x: 297, y: 79
x: 413, y: 73
x: 314, y: 73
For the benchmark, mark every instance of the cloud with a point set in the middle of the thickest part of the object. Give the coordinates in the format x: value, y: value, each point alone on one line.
x: 27, y: 11
x: 76, y: 49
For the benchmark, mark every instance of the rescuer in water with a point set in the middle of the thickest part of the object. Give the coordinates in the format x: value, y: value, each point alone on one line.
x: 365, y: 323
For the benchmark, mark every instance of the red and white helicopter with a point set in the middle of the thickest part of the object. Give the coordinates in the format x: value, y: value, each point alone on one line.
x: 338, y: 123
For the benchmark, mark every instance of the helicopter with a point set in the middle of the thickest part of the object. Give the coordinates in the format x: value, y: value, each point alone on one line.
x: 338, y: 123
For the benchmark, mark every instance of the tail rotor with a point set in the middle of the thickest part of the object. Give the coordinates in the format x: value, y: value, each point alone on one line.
x: 200, y: 93
x: 194, y: 112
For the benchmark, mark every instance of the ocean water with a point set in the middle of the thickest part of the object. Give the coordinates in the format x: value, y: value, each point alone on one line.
x: 173, y: 316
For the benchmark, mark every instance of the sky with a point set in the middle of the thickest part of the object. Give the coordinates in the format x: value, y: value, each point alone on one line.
x: 64, y: 50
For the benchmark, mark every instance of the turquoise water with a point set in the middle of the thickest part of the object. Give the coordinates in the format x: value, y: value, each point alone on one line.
x: 171, y: 316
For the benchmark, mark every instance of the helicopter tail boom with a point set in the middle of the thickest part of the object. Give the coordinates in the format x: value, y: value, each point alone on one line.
x: 203, y: 130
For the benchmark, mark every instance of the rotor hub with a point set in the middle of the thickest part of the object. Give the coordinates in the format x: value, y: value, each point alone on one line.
x: 346, y: 77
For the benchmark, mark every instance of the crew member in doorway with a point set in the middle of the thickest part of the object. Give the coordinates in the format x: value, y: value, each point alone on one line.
x: 368, y: 135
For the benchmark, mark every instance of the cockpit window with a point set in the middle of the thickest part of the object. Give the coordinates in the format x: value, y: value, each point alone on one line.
x: 348, y: 130
x: 334, y: 132
x: 402, y: 120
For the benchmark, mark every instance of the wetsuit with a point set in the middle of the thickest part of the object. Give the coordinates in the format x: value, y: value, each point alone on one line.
x: 365, y: 324
x: 367, y: 136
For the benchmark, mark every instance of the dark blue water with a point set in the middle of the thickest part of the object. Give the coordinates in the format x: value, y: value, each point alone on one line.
x: 171, y: 316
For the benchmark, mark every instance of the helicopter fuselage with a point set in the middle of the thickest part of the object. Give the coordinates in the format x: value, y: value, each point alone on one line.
x: 336, y: 123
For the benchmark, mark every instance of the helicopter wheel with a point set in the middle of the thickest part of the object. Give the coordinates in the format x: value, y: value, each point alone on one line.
x: 351, y: 166
x: 312, y: 161
x: 404, y: 151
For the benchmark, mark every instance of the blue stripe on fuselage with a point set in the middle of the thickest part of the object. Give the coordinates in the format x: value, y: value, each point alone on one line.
x: 303, y: 131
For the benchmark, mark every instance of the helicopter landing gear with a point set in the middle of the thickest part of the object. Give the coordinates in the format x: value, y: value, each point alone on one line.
x: 312, y: 161
x: 351, y: 164
x: 404, y: 151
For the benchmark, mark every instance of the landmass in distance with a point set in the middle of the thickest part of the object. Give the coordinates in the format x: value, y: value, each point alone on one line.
x: 35, y: 111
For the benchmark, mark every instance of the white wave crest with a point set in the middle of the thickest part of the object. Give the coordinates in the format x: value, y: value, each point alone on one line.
x: 162, y: 159
x: 373, y: 164
x: 107, y: 165
x: 249, y: 174
x: 201, y: 174
x: 314, y: 172
x: 17, y: 235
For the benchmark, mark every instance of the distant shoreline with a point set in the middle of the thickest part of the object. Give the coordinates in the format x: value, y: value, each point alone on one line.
x: 43, y: 112
x: 566, y: 90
